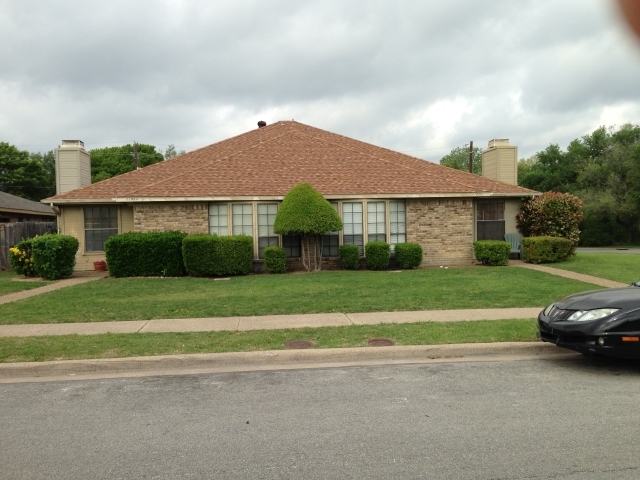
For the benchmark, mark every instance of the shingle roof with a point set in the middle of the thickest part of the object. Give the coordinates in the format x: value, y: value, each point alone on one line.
x: 13, y: 203
x: 269, y: 161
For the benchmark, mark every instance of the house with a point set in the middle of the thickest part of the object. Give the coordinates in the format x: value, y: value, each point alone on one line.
x: 18, y: 209
x: 235, y: 186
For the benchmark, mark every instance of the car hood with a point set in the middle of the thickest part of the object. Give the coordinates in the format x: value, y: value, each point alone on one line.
x: 622, y: 298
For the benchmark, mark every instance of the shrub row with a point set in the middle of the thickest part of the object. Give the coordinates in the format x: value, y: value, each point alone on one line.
x: 492, y: 252
x: 152, y: 254
x: 206, y: 255
x: 49, y: 256
x: 546, y: 249
x: 377, y: 255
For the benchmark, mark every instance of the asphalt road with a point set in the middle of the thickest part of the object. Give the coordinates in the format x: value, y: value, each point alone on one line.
x: 568, y: 417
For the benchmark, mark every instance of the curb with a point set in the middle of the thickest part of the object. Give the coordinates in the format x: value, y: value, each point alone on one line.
x: 269, y: 360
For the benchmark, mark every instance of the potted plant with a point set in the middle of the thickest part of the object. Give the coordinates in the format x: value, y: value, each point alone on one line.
x: 100, y: 265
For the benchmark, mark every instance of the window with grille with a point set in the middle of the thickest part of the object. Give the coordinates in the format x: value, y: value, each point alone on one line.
x: 397, y: 223
x: 376, y: 222
x: 218, y: 219
x: 243, y: 219
x: 352, y: 222
x: 266, y: 219
x: 99, y: 224
x: 331, y: 240
x: 291, y: 245
x: 490, y: 220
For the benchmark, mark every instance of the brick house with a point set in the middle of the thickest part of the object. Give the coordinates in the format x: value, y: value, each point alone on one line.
x: 235, y: 186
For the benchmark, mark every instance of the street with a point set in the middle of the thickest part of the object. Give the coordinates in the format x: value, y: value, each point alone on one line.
x: 569, y: 417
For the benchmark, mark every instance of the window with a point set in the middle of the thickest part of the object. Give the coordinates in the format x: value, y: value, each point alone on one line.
x: 243, y: 219
x: 218, y: 219
x: 490, y: 220
x: 291, y: 245
x: 266, y: 218
x: 397, y: 223
x: 99, y: 224
x: 331, y: 241
x: 352, y: 221
x: 376, y: 223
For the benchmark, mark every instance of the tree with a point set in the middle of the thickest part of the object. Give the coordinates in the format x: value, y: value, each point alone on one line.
x: 458, y: 158
x: 551, y: 214
x: 307, y: 213
x: 171, y: 152
x: 21, y: 175
x: 111, y: 161
x: 48, y: 162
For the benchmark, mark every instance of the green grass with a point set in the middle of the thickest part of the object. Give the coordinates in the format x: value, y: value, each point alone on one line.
x: 619, y: 267
x: 323, y: 292
x: 68, y: 347
x: 9, y: 285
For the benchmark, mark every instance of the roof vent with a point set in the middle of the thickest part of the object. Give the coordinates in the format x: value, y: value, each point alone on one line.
x: 262, y: 123
x: 499, y: 142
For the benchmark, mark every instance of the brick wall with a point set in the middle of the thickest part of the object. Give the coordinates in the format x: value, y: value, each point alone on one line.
x: 186, y: 217
x: 444, y: 228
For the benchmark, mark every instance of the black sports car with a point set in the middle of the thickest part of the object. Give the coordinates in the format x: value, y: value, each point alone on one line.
x: 598, y: 322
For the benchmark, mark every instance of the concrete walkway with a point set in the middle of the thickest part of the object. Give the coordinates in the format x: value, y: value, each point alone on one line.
x: 603, y: 282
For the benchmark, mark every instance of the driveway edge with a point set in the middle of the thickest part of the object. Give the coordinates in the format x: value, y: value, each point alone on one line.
x: 267, y: 360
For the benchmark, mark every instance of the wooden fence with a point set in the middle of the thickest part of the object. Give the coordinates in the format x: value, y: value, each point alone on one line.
x: 12, y: 233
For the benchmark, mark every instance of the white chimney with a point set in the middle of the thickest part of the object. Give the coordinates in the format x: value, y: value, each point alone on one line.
x: 73, y: 166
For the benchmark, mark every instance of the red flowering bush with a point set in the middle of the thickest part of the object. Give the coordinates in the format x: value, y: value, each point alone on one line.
x: 552, y: 214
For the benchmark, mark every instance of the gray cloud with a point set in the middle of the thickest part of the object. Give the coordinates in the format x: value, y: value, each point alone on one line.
x: 413, y: 76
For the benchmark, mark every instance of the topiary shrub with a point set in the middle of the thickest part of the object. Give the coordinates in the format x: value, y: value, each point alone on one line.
x: 207, y: 255
x: 152, y: 254
x: 20, y: 258
x: 305, y: 212
x: 492, y: 252
x: 552, y: 214
x: 377, y: 255
x: 275, y: 259
x: 408, y: 255
x: 546, y: 249
x: 350, y: 257
x: 54, y: 256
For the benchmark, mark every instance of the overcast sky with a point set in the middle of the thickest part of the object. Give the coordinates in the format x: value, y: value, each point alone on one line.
x: 415, y: 76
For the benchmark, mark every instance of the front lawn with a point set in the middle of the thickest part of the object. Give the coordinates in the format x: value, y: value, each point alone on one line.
x: 620, y: 267
x: 324, y: 292
x: 69, y: 347
x: 8, y: 284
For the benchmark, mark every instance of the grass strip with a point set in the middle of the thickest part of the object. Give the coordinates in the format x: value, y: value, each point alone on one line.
x: 618, y: 267
x: 8, y: 284
x: 115, y: 299
x: 69, y: 347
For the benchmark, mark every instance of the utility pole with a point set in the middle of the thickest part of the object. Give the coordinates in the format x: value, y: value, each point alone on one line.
x: 471, y: 156
x: 135, y: 154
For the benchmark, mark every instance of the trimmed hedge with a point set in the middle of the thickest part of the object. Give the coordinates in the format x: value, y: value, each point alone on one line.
x: 152, y: 254
x: 377, y: 255
x: 349, y: 257
x: 207, y: 255
x: 275, y: 259
x: 54, y: 256
x: 20, y: 258
x: 408, y: 255
x: 492, y: 252
x: 546, y: 249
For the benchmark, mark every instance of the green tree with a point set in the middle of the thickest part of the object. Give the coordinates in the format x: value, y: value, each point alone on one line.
x: 458, y: 158
x: 307, y: 213
x: 48, y: 162
x: 21, y: 175
x: 171, y: 152
x: 111, y: 161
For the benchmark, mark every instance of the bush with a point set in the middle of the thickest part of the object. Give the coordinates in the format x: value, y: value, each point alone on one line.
x: 377, y: 255
x: 546, y: 249
x: 206, y: 255
x: 20, y: 258
x: 408, y: 255
x: 492, y: 252
x: 350, y: 257
x: 552, y: 214
x: 152, y: 254
x: 54, y: 256
x: 275, y: 259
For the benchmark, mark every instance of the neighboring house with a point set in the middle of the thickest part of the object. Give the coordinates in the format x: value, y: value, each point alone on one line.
x: 235, y: 186
x: 18, y: 209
